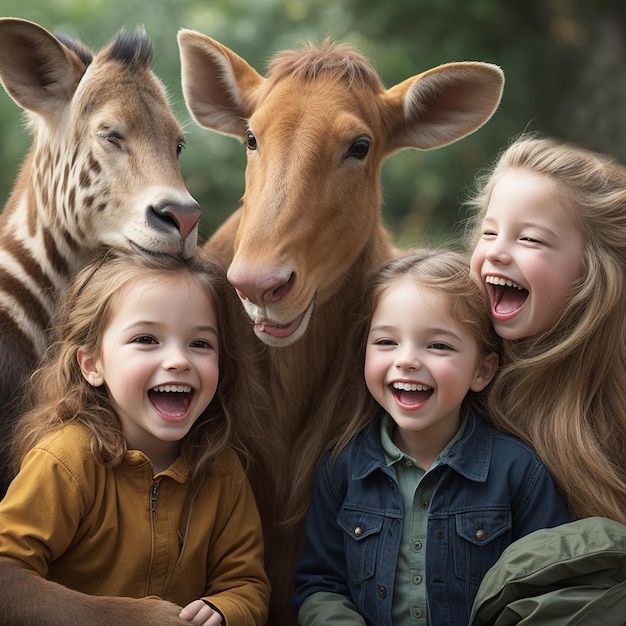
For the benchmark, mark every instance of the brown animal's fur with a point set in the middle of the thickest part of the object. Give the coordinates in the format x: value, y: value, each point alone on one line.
x: 102, y: 170
x: 318, y: 128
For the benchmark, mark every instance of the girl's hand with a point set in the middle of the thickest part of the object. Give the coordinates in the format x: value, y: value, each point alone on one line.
x: 199, y: 613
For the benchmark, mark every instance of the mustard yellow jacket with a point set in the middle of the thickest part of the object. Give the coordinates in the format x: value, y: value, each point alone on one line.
x: 125, y: 532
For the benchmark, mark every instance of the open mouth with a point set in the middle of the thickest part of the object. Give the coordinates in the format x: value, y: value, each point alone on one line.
x: 276, y: 334
x: 506, y: 296
x: 171, y: 401
x: 409, y: 395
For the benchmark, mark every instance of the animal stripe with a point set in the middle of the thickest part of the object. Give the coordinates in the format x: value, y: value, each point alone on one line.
x: 103, y: 160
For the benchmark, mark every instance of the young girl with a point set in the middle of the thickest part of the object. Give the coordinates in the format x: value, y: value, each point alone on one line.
x: 549, y: 243
x: 126, y: 483
x: 421, y: 496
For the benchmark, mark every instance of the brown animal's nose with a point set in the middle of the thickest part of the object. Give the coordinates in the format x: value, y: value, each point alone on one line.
x: 258, y: 287
x: 185, y: 216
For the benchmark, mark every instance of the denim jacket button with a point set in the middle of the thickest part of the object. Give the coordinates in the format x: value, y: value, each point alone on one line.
x: 358, y: 531
x: 480, y: 534
x: 382, y: 592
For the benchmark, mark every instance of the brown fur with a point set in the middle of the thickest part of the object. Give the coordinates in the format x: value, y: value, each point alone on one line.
x: 102, y: 170
x: 309, y: 231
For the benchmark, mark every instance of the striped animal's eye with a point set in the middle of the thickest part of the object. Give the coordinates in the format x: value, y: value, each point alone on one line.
x: 359, y: 149
x: 112, y: 137
x: 251, y: 140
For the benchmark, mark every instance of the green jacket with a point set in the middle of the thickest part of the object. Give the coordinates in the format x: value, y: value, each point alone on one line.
x: 573, y: 575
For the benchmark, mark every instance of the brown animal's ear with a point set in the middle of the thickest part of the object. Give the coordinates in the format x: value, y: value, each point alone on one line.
x: 36, y: 69
x: 444, y: 104
x: 218, y: 85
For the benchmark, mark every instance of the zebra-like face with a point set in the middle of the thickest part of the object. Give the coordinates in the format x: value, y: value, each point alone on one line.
x: 105, y: 167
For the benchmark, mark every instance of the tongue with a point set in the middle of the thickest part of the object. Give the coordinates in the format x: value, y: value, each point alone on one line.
x: 509, y: 300
x: 170, y: 402
x: 413, y: 397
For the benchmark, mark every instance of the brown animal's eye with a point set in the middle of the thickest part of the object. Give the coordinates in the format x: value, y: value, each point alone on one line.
x: 179, y: 148
x: 251, y: 141
x: 359, y: 149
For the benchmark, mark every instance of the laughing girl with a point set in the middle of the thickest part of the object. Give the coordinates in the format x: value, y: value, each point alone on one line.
x: 127, y: 486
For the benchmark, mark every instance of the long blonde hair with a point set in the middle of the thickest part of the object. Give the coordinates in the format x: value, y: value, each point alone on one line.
x: 446, y: 271
x: 59, y: 394
x: 563, y: 391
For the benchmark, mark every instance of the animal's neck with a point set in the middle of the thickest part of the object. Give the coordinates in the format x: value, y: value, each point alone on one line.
x: 36, y: 248
x: 298, y: 371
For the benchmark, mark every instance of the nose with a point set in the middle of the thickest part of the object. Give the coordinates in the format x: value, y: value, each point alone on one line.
x: 176, y: 360
x: 407, y: 360
x: 497, y: 252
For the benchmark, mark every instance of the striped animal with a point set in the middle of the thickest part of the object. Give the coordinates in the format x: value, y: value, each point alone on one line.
x: 102, y: 170
x: 317, y: 127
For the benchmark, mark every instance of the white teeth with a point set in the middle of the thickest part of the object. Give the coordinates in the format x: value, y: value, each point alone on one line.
x: 502, y: 282
x: 410, y: 387
x: 176, y: 388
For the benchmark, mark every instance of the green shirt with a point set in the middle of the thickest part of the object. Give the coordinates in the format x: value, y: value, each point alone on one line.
x: 416, y: 485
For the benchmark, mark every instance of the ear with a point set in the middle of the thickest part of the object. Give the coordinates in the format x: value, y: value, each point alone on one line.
x: 484, y: 372
x: 218, y: 85
x: 36, y: 69
x: 90, y: 368
x: 444, y: 104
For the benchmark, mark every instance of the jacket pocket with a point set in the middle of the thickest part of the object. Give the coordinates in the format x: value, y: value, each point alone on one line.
x: 361, y: 540
x: 481, y: 536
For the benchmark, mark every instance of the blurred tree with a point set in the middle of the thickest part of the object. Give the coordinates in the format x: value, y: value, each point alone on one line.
x: 564, y: 61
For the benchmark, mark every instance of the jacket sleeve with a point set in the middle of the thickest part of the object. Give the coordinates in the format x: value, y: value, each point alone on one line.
x: 321, y: 570
x: 329, y: 608
x: 539, y: 504
x: 238, y: 586
x: 40, y: 512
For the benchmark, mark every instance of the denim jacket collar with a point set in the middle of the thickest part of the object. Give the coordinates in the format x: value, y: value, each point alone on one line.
x: 470, y: 456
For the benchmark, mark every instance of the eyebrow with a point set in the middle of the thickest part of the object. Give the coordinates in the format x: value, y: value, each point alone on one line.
x: 490, y: 220
x: 433, y: 331
x: 139, y: 323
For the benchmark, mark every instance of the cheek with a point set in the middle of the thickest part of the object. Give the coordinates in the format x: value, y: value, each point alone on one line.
x: 373, y: 371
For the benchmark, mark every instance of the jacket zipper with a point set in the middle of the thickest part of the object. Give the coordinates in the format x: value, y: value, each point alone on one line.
x: 154, y: 495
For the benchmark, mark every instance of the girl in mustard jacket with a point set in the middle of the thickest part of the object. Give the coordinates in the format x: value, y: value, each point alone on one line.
x: 127, y: 486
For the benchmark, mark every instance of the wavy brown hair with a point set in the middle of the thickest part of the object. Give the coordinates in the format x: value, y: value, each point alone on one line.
x: 563, y: 391
x: 59, y: 394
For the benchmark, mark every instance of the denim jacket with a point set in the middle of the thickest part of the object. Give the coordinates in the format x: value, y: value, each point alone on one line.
x: 491, y: 489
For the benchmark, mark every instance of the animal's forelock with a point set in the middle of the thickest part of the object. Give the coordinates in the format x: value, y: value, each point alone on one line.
x: 131, y: 49
x: 328, y: 59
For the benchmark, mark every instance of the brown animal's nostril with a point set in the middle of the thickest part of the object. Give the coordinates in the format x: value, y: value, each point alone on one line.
x: 278, y: 293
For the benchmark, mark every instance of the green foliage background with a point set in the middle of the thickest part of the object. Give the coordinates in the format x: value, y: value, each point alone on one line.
x: 564, y: 62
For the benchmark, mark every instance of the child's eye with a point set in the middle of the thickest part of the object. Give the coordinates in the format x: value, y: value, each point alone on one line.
x: 384, y: 342
x: 147, y: 339
x: 202, y: 343
x: 440, y: 346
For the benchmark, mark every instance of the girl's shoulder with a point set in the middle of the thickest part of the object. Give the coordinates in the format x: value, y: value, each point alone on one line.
x: 70, y: 440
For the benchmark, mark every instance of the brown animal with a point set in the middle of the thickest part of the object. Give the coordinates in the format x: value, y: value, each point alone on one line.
x: 102, y: 170
x: 317, y: 128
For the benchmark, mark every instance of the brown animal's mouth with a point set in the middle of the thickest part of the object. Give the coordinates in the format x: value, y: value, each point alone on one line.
x: 275, y: 334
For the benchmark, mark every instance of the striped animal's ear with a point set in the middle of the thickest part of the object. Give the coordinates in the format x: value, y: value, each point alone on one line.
x: 218, y: 85
x: 36, y: 69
